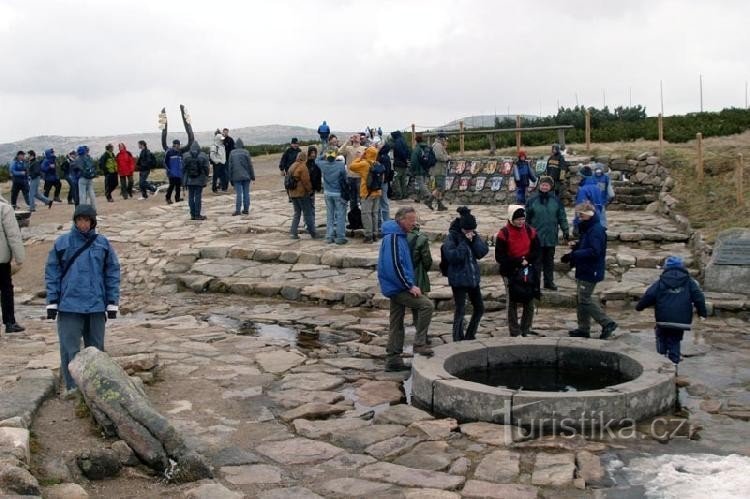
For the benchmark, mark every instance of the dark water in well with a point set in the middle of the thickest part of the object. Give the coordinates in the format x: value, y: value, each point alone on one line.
x: 545, y: 379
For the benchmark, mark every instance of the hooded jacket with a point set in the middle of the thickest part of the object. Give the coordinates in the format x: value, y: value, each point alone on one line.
x: 395, y: 269
x: 173, y: 162
x: 19, y: 170
x: 218, y: 154
x: 416, y: 168
x: 288, y: 158
x: 556, y: 164
x: 201, y: 159
x: 545, y: 212
x: 442, y: 157
x: 673, y: 296
x: 11, y: 243
x: 49, y: 167
x: 125, y: 161
x: 304, y: 187
x: 240, y: 164
x: 463, y: 256
x: 324, y: 131
x: 332, y: 172
x: 401, y: 152
x: 362, y: 167
x: 421, y: 258
x: 589, y: 254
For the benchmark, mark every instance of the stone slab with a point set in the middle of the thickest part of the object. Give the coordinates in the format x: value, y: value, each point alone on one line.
x: 411, y: 477
x: 298, y: 451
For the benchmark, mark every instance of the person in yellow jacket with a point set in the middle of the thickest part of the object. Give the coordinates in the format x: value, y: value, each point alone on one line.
x: 370, y: 199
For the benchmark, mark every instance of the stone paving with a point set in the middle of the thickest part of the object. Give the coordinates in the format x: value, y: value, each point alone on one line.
x: 283, y: 386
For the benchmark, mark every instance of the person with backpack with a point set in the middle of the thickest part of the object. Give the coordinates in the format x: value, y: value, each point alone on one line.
x: 195, y: 177
x: 298, y: 187
x: 82, y: 278
x: 19, y: 174
x: 108, y: 166
x: 401, y: 155
x: 588, y: 257
x: 146, y: 161
x: 49, y: 172
x: 372, y: 174
x: 556, y: 168
x: 546, y: 213
x: 316, y: 176
x: 335, y: 188
x: 440, y: 170
x: 462, y: 249
x: 422, y: 160
x: 218, y: 157
x: 11, y: 248
x: 524, y: 175
x: 517, y: 252
x: 384, y: 213
x: 673, y: 297
x: 241, y: 173
x: 324, y: 131
x: 606, y: 191
x: 35, y: 176
x: 85, y: 165
x: 125, y: 169
x: 173, y: 163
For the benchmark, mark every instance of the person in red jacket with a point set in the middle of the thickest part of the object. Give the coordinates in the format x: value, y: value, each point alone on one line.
x: 125, y: 169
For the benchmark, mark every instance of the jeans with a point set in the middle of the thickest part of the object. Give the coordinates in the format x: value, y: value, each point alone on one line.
x: 110, y: 184
x: 527, y: 314
x: 370, y: 209
x: 35, y: 194
x: 195, y: 194
x: 303, y: 206
x: 71, y: 327
x: 335, y: 218
x: 175, y: 185
x: 219, y: 179
x: 22, y: 186
x: 521, y: 195
x: 126, y: 186
x: 54, y: 184
x: 143, y: 184
x: 548, y: 265
x: 242, y: 195
x: 86, y: 191
x: 667, y: 342
x: 72, y: 190
x: 384, y: 214
x: 588, y: 308
x: 477, y: 305
x: 399, y: 304
x: 354, y: 192
x: 6, y: 295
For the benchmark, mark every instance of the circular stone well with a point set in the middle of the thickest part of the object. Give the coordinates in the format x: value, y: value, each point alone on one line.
x: 650, y: 390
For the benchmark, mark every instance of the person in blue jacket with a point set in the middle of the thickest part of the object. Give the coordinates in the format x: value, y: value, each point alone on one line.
x: 673, y: 297
x: 524, y: 175
x: 324, y: 131
x: 462, y: 249
x: 173, y: 164
x: 19, y: 174
x: 589, y: 191
x: 82, y: 278
x: 49, y: 172
x: 588, y: 257
x: 397, y: 282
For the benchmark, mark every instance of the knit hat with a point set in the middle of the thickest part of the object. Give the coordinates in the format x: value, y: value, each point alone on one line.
x: 294, y: 140
x: 81, y: 150
x: 673, y: 262
x: 176, y: 142
x: 85, y: 210
x: 586, y: 171
x: 522, y: 154
x: 516, y: 211
x: 465, y: 219
x: 547, y: 180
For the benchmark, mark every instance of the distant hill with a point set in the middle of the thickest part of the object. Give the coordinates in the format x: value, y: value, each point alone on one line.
x: 252, y: 135
x: 482, y: 121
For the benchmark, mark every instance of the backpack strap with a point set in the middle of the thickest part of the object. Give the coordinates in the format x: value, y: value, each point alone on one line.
x: 78, y: 252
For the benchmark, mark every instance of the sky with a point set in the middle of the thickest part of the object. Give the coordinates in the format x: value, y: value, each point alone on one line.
x: 86, y: 68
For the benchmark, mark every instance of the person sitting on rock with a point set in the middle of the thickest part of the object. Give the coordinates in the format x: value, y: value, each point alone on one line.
x: 82, y: 278
x: 673, y: 297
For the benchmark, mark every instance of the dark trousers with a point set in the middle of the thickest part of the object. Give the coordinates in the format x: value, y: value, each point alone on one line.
x: 588, y: 307
x: 49, y: 185
x: 521, y: 194
x: 110, y: 184
x: 71, y: 327
x: 72, y: 191
x: 175, y: 184
x: 548, y: 265
x: 219, y: 179
x: 126, y: 186
x: 195, y: 197
x: 6, y: 295
x: 477, y: 305
x: 399, y: 303
x: 143, y: 184
x: 354, y: 192
x: 668, y: 342
x: 21, y: 186
x: 527, y: 314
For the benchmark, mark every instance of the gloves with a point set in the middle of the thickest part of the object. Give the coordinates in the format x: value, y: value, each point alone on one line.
x: 566, y: 236
x: 565, y: 258
x: 112, y: 311
x: 52, y: 311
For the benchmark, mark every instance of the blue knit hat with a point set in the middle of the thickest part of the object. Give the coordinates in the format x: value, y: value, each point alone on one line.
x: 81, y: 150
x: 673, y: 262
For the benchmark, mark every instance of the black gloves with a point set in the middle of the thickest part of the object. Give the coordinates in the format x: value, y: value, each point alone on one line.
x: 112, y: 311
x: 52, y: 311
x: 566, y: 258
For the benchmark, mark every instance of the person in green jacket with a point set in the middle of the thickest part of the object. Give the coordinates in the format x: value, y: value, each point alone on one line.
x: 545, y: 212
x: 421, y: 258
x: 421, y: 171
x: 108, y: 166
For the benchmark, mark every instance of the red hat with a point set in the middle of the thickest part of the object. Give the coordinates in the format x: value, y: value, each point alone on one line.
x: 522, y: 154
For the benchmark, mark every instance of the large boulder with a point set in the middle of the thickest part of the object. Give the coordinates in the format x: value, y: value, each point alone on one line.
x: 728, y: 271
x: 120, y: 404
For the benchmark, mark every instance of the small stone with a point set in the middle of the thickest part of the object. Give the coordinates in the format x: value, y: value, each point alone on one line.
x: 436, y: 429
x: 460, y: 466
x: 16, y: 442
x: 411, y: 477
x: 401, y: 414
x: 554, y: 470
x: 298, y: 451
x: 711, y: 406
x: 253, y: 473
x: 501, y: 466
x: 65, y: 491
x: 289, y: 493
x: 313, y: 410
x: 279, y: 361
x: 476, y: 489
x: 97, y: 464
x: 374, y: 393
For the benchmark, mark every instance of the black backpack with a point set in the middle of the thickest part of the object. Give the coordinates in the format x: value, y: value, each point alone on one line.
x: 426, y: 157
x: 192, y: 170
x: 344, y: 187
x: 522, y: 284
x: 375, y: 177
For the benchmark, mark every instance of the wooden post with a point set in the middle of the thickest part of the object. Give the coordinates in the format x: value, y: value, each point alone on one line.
x: 588, y: 131
x: 661, y: 135
x: 699, y: 162
x: 461, y: 136
x: 491, y: 140
x: 518, y: 133
x: 739, y: 172
x: 413, y: 136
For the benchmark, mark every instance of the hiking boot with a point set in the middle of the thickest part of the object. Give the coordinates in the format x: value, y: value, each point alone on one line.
x: 236, y: 214
x: 245, y: 212
x: 49, y: 205
x: 608, y: 330
x: 368, y: 240
x: 342, y: 241
x: 577, y: 333
x: 70, y: 394
x: 199, y: 217
x: 396, y: 367
x: 428, y: 203
x: 57, y: 200
x: 169, y: 201
x: 14, y: 328
x: 293, y: 236
x: 441, y: 206
x: 423, y: 350
x: 551, y: 287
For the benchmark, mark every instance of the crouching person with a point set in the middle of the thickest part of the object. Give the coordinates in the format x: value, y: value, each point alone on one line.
x: 673, y: 297
x: 82, y: 278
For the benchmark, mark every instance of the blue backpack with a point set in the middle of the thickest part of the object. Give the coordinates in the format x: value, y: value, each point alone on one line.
x: 375, y: 178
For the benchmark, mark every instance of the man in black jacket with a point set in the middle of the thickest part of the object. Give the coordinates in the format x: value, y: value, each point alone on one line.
x: 146, y: 161
x: 289, y: 156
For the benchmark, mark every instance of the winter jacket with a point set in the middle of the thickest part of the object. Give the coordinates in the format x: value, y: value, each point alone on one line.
x: 288, y: 158
x: 415, y: 167
x: 384, y: 159
x: 462, y: 256
x: 125, y: 161
x: 519, y: 244
x: 35, y: 168
x: 316, y: 175
x: 673, y: 297
x: 362, y: 167
x: 442, y: 157
x: 588, y: 190
x: 324, y: 131
x: 545, y: 212
x: 218, y: 155
x: 401, y: 152
x: 228, y: 145
x: 350, y: 152
x: 556, y: 164
x: 83, y: 167
x: 146, y: 160
x: 332, y: 172
x: 304, y: 187
x: 49, y: 166
x: 589, y: 254
x: 395, y: 268
x: 93, y: 280
x: 11, y: 244
x: 200, y: 157
x: 421, y: 258
x: 173, y: 162
x: 108, y: 163
x: 19, y: 170
x: 523, y: 174
x: 606, y: 191
x: 240, y: 164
